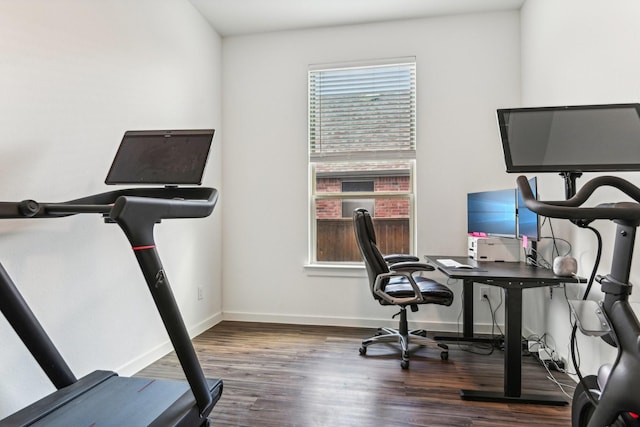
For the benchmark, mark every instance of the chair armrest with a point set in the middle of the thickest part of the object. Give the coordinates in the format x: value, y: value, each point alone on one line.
x: 404, y: 269
x: 393, y: 258
x: 411, y: 267
x: 377, y: 288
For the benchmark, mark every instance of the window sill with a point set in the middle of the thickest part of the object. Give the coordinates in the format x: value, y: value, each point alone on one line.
x: 335, y: 270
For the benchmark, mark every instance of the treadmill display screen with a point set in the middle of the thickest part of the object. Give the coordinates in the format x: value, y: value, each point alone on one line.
x: 170, y: 157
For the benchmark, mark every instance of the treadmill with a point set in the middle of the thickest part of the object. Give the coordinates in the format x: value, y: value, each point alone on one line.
x: 162, y: 162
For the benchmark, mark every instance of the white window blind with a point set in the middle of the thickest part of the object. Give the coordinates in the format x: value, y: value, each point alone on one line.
x: 363, y: 112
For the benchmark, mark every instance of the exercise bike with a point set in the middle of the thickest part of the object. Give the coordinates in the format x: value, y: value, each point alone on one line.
x: 612, y: 397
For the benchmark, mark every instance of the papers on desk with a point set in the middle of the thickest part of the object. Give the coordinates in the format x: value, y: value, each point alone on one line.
x: 450, y: 263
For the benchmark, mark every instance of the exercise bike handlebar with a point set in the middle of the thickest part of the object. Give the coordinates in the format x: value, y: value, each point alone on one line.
x: 571, y: 208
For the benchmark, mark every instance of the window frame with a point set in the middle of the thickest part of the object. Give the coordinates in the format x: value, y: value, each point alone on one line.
x: 353, y: 157
x: 316, y: 196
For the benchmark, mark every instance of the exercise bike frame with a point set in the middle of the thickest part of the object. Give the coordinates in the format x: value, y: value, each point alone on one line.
x: 619, y: 394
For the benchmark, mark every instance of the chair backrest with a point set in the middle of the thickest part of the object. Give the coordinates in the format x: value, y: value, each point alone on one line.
x: 366, y: 239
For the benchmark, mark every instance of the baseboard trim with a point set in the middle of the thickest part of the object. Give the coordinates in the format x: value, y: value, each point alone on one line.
x: 161, y: 350
x: 349, y: 322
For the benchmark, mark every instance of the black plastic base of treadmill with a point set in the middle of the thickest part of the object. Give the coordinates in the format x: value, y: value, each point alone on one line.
x: 104, y: 398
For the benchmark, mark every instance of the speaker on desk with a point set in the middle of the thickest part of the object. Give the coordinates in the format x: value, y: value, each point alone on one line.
x: 565, y: 266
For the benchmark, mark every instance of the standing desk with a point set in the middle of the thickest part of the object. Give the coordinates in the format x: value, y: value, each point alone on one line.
x: 513, y: 277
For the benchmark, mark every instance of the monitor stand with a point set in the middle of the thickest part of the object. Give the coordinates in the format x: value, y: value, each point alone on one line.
x: 570, y: 183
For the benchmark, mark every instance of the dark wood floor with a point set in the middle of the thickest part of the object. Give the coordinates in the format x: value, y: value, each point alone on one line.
x: 289, y: 375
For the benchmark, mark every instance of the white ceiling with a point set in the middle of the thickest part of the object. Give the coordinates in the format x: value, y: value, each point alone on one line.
x: 235, y: 17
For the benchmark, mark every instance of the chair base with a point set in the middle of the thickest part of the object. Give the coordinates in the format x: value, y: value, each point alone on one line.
x: 416, y: 336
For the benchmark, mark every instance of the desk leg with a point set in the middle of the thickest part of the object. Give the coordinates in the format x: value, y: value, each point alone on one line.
x: 467, y: 311
x: 467, y: 317
x: 512, y: 342
x: 512, y: 361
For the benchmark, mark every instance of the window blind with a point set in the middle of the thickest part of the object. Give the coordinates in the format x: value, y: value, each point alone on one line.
x: 362, y: 112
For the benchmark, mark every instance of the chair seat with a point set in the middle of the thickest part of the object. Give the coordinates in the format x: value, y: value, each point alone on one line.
x: 432, y: 291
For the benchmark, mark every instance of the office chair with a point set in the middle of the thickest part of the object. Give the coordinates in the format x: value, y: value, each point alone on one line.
x: 393, y: 280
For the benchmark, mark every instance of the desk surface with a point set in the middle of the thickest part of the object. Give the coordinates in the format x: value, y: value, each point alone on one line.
x: 503, y: 273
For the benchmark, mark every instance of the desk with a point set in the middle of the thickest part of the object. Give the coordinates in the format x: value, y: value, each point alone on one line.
x: 513, y: 277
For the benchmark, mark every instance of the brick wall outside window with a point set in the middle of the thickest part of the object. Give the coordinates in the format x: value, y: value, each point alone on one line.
x: 392, y: 183
x: 384, y: 208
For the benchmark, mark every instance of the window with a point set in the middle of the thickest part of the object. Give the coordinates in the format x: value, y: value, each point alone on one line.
x: 362, y: 133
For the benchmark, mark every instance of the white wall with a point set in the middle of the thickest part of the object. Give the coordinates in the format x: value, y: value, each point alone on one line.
x: 467, y: 66
x: 580, y: 52
x: 74, y: 75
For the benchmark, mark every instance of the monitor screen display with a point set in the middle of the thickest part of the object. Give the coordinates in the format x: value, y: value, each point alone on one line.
x: 492, y: 212
x: 161, y: 157
x: 528, y: 221
x: 586, y: 138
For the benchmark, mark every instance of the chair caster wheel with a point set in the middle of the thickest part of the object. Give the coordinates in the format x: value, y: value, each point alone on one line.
x: 363, y: 351
x: 444, y: 355
x: 404, y: 364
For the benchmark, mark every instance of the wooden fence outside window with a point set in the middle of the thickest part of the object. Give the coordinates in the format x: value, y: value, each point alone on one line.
x: 336, y: 238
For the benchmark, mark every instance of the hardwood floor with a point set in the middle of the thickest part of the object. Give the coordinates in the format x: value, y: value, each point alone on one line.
x: 290, y: 375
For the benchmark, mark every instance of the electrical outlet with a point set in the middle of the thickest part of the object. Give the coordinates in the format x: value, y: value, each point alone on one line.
x: 485, y: 293
x: 200, y: 293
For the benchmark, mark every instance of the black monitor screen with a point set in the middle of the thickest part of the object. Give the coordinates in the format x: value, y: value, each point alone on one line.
x: 492, y: 213
x: 586, y: 138
x: 161, y: 157
x: 528, y: 221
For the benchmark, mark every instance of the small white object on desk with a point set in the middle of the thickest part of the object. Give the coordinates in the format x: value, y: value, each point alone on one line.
x: 451, y: 263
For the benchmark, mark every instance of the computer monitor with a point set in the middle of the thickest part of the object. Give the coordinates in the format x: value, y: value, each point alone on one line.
x: 528, y: 221
x: 584, y: 138
x: 492, y: 213
x: 165, y: 157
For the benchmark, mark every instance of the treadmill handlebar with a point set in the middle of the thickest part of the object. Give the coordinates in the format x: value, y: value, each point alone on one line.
x: 154, y: 203
x: 137, y: 215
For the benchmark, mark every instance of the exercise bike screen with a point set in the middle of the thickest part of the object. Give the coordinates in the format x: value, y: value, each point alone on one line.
x: 585, y: 138
x: 161, y: 157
